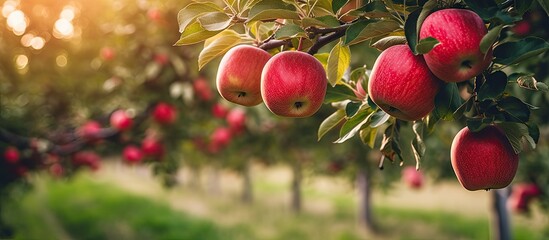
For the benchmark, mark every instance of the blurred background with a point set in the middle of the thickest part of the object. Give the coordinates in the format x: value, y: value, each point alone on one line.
x: 216, y: 171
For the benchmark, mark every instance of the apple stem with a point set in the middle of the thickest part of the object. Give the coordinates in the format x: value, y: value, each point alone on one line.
x: 241, y: 94
x: 298, y: 105
x: 467, y: 63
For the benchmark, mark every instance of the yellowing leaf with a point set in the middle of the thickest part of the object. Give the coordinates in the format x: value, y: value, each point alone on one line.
x: 218, y: 45
x: 191, y: 12
x: 274, y: 14
x: 194, y: 33
x: 338, y: 62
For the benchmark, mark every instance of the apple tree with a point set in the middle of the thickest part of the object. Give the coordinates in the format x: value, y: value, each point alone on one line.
x: 439, y: 61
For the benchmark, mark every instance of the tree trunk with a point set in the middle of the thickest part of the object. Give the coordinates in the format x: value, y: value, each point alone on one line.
x: 501, y: 226
x: 213, y: 183
x: 247, y: 187
x: 296, y: 186
x: 365, y: 200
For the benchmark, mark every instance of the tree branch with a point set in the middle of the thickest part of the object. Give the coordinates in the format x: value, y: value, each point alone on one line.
x: 271, y: 44
x: 323, y: 40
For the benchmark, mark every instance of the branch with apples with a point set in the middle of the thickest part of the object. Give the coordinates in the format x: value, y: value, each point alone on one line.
x: 439, y: 61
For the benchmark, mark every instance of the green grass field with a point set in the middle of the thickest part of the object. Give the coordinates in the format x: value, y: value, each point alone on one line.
x: 91, y: 207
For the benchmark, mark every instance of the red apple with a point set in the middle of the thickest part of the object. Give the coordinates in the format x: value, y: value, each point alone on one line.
x: 152, y: 147
x: 161, y: 58
x: 402, y: 85
x: 87, y: 158
x: 56, y: 170
x: 293, y: 84
x: 107, y: 53
x: 522, y: 28
x: 132, y: 154
x: 239, y: 75
x: 11, y: 155
x: 359, y: 91
x: 458, y: 57
x: 220, y: 138
x: 154, y: 14
x: 164, y: 113
x: 349, y: 6
x: 202, y: 89
x: 219, y: 111
x: 236, y: 119
x: 120, y: 120
x: 90, y: 130
x: 483, y: 159
x: 521, y: 196
x: 412, y: 177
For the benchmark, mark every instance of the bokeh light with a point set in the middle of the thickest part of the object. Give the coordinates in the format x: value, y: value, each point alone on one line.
x: 17, y: 22
x: 21, y: 61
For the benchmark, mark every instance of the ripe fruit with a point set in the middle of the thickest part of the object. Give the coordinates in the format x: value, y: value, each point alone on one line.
x: 239, y: 75
x: 220, y: 138
x: 483, y: 159
x: 521, y: 196
x: 219, y: 111
x: 458, y: 57
x: 90, y: 130
x: 56, y: 170
x: 120, y: 120
x: 161, y: 58
x: 87, y: 158
x: 164, y: 113
x: 351, y: 5
x: 412, y: 177
x: 11, y: 155
x: 293, y: 84
x: 202, y: 89
x: 236, y: 119
x: 132, y: 154
x: 402, y: 85
x: 107, y: 53
x: 359, y: 91
x: 522, y: 28
x: 152, y: 147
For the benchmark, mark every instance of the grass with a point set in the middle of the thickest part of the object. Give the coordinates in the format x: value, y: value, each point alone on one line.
x: 91, y: 207
x: 83, y: 209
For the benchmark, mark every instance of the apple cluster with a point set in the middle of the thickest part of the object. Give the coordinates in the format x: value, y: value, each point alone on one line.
x: 291, y: 83
x: 405, y: 85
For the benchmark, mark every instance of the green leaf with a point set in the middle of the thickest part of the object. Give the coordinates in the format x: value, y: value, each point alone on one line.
x: 338, y: 62
x: 367, y: 29
x: 215, y: 21
x: 359, y: 74
x: 425, y: 45
x: 352, y: 108
x: 533, y: 131
x: 528, y: 81
x: 390, y: 144
x: 447, y: 101
x: 522, y: 6
x: 290, y: 31
x: 324, y: 21
x: 218, y: 45
x: 545, y: 5
x: 338, y: 4
x: 486, y: 9
x: 368, y: 136
x: 194, y: 33
x: 493, y: 87
x: 353, y: 125
x: 475, y: 124
x: 338, y: 93
x: 411, y: 29
x: 191, y: 12
x: 374, y: 9
x: 330, y: 122
x: 272, y: 9
x: 513, y: 52
x: 515, y: 133
x: 515, y: 109
x: 466, y: 106
x: 490, y: 38
x: 378, y: 118
x: 389, y: 41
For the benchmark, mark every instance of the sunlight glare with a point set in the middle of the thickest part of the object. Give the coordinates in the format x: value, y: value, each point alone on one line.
x: 17, y: 22
x: 38, y: 43
x: 9, y: 7
x: 63, y: 28
x: 21, y: 61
